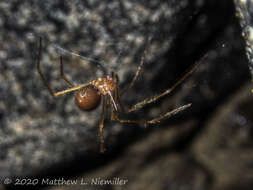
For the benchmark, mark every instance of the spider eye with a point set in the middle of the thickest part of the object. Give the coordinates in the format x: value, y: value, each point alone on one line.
x: 87, y: 98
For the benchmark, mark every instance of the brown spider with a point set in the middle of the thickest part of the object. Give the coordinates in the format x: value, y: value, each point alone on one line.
x: 89, y: 94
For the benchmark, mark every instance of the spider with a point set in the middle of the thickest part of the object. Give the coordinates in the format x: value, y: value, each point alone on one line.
x: 89, y: 95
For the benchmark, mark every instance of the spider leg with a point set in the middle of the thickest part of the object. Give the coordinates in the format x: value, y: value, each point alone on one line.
x: 73, y: 88
x: 136, y: 74
x: 141, y: 104
x: 40, y: 72
x: 63, y: 75
x: 152, y: 121
x: 168, y: 114
x: 101, y: 125
x: 117, y: 94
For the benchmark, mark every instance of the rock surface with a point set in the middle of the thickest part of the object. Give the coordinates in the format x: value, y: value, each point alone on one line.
x: 244, y: 14
x: 49, y: 138
x: 38, y: 131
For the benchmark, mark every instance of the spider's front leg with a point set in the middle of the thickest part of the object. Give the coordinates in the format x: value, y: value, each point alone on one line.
x: 40, y: 72
x: 73, y: 88
x: 63, y: 75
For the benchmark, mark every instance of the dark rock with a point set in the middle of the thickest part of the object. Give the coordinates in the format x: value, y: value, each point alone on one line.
x: 43, y: 136
x: 39, y: 131
x: 244, y: 12
x: 152, y: 163
x: 225, y: 147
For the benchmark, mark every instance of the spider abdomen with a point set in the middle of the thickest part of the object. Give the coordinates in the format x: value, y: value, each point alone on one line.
x: 87, y: 98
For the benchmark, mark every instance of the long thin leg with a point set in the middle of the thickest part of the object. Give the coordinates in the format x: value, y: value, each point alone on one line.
x: 152, y: 121
x: 169, y: 114
x: 117, y: 94
x: 39, y: 70
x: 63, y: 75
x: 101, y: 125
x: 110, y: 103
x: 136, y: 74
x: 156, y: 97
x: 73, y: 88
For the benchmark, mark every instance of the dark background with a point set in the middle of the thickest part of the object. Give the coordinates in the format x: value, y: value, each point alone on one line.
x: 208, y: 146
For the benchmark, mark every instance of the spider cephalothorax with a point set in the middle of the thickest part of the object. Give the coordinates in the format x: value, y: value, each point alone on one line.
x: 104, y: 85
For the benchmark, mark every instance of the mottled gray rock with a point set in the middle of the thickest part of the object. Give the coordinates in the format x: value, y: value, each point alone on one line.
x: 43, y: 136
x: 38, y: 131
x: 144, y: 168
x: 244, y: 13
x: 212, y: 149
